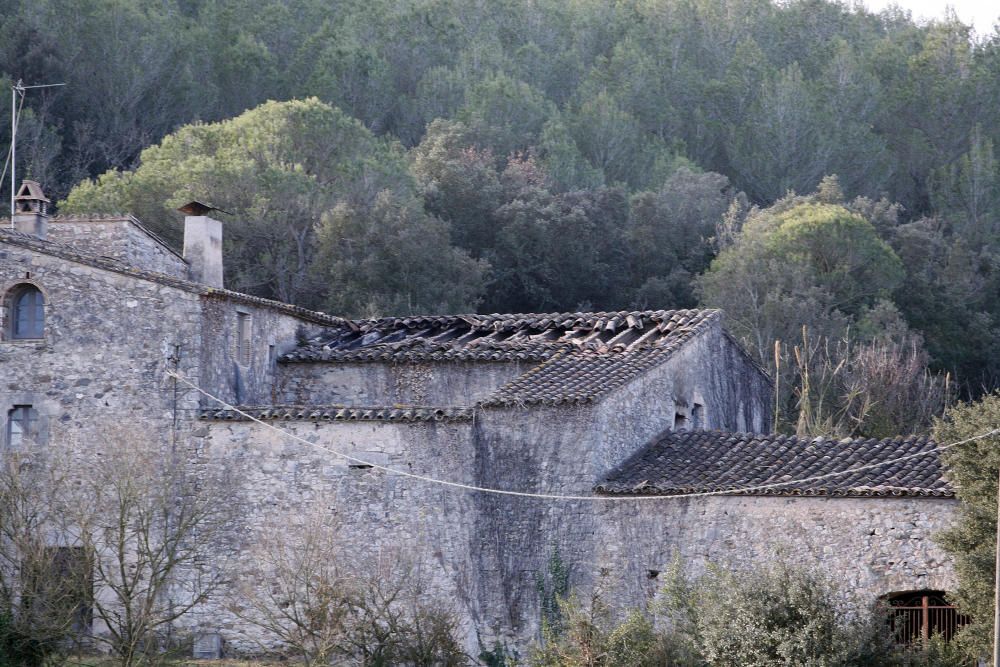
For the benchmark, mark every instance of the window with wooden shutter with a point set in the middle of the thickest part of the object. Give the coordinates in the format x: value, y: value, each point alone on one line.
x: 244, y: 338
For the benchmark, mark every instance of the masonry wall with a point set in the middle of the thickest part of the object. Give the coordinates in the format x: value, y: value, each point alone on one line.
x: 240, y: 380
x: 868, y: 546
x: 108, y: 341
x: 425, y: 527
x: 376, y: 384
x: 119, y: 238
x: 98, y: 378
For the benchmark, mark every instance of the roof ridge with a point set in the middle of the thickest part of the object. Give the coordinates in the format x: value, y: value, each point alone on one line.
x: 338, y: 413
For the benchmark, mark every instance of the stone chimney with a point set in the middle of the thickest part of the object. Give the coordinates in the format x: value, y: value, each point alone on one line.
x: 202, y: 244
x: 31, y: 214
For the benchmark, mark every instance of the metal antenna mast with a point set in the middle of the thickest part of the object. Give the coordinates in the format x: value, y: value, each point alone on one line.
x: 15, y: 90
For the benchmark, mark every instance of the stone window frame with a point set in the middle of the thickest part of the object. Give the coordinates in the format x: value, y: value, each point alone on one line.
x: 11, y: 292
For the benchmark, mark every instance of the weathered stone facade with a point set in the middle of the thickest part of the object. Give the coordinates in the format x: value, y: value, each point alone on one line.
x: 435, y: 409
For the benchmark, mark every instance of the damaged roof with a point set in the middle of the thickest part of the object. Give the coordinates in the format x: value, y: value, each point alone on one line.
x: 682, y: 462
x: 532, y: 337
x: 574, y: 357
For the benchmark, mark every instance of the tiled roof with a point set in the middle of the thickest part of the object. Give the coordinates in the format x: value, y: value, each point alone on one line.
x: 533, y: 337
x: 582, y: 355
x: 64, y: 251
x: 339, y: 413
x: 699, y: 461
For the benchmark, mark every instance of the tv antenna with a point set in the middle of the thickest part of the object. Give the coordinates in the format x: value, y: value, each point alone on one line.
x: 18, y: 89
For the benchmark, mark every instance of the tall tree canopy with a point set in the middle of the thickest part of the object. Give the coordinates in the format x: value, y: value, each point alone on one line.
x: 593, y: 154
x: 286, y: 170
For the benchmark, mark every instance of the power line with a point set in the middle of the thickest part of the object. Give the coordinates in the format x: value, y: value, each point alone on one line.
x: 10, y: 149
x: 555, y: 496
x: 15, y: 120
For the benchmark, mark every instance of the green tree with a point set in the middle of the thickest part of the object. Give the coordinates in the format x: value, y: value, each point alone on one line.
x: 460, y: 184
x: 778, y: 615
x: 671, y: 231
x: 973, y: 469
x: 505, y: 115
x: 278, y: 168
x: 393, y: 259
x: 799, y: 263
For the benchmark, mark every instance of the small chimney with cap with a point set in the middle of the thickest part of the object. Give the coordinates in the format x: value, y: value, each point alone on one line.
x: 31, y: 210
x: 202, y: 243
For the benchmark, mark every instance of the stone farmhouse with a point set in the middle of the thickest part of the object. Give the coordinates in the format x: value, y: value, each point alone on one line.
x: 611, y: 409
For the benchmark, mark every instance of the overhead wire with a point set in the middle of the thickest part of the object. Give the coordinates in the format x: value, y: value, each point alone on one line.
x: 569, y: 497
x: 10, y: 149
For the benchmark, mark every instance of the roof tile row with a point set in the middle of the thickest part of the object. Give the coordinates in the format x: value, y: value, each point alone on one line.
x: 339, y: 413
x: 682, y: 462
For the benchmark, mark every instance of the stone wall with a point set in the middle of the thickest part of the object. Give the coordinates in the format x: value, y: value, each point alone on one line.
x: 374, y: 384
x: 121, y: 238
x: 245, y: 381
x: 428, y: 526
x: 868, y: 546
x: 100, y: 372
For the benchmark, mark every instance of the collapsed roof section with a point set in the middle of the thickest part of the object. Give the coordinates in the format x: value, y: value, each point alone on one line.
x: 577, y: 357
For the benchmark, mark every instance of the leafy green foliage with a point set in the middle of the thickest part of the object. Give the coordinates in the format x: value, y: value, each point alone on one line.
x: 677, y: 108
x: 974, y: 469
x: 294, y: 175
x: 590, y: 636
x: 800, y: 262
x: 780, y: 615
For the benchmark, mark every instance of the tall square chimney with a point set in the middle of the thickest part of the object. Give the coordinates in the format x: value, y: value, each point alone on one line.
x: 202, y: 245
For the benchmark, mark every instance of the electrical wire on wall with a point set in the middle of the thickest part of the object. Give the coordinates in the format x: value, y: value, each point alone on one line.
x: 556, y: 496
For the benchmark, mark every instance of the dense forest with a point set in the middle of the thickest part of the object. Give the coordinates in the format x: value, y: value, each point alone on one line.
x: 825, y: 174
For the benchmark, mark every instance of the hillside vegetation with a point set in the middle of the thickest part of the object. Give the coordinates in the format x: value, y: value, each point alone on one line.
x: 826, y: 175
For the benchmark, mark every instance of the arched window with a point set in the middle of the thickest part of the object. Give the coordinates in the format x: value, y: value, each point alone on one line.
x: 916, y: 615
x: 27, y: 313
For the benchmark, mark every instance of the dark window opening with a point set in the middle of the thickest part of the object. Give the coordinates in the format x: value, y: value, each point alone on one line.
x: 359, y: 466
x: 22, y: 426
x: 27, y: 313
x: 680, y: 422
x: 917, y: 615
x: 652, y: 574
x: 62, y: 583
x: 698, y: 416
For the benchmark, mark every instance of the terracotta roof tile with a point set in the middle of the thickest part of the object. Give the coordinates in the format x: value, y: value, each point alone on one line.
x: 339, y: 413
x: 700, y: 461
x: 535, y: 337
x: 582, y: 355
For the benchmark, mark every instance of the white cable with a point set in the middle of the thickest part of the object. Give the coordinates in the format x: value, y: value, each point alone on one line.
x: 17, y: 124
x: 555, y: 496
